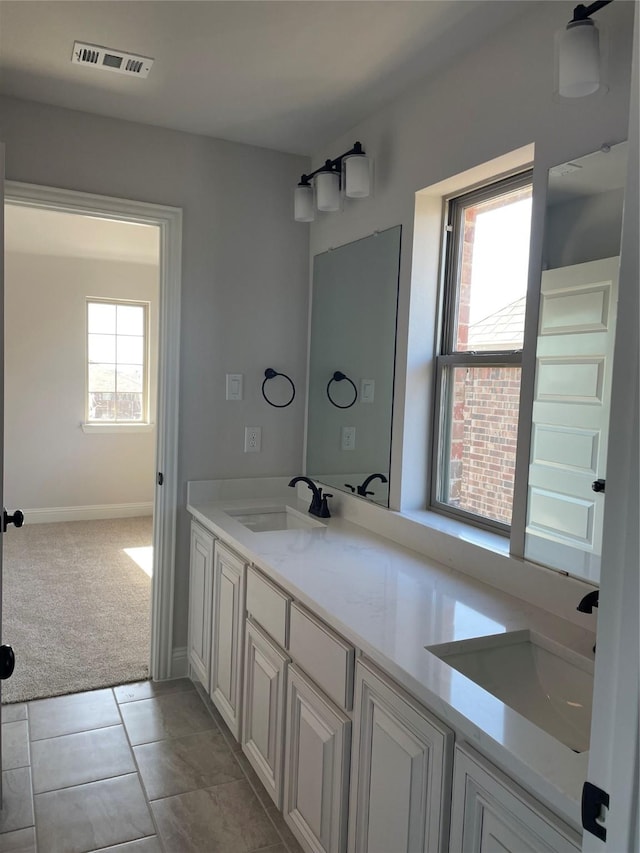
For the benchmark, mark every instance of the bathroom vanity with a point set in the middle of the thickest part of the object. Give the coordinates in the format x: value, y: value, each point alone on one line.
x: 386, y: 702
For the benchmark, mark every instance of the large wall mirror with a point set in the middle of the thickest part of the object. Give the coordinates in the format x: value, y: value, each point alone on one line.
x: 574, y: 355
x: 351, y: 369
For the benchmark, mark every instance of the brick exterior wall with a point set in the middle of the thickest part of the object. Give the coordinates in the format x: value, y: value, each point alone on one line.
x: 484, y: 431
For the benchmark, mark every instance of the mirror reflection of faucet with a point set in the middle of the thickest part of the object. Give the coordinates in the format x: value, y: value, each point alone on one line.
x: 318, y: 506
x: 362, y: 488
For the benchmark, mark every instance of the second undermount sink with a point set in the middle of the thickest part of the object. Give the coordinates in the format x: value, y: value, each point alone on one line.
x: 270, y: 518
x: 545, y: 682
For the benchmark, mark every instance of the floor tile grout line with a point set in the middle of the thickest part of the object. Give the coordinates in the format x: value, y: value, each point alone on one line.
x: 33, y: 793
x: 140, y: 779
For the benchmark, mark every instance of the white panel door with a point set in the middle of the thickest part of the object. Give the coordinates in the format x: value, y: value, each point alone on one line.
x: 227, y: 636
x: 265, y: 670
x: 571, y: 416
x: 491, y: 814
x: 401, y: 771
x: 318, y: 741
x: 200, y: 602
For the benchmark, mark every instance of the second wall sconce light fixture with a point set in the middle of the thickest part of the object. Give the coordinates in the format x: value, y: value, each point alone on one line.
x: 321, y: 189
x: 578, y: 58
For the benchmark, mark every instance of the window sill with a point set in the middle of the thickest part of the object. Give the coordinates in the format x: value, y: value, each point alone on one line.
x: 485, y: 539
x: 113, y: 429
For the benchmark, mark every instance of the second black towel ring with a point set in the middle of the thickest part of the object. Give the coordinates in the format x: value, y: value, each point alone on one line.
x: 270, y: 373
x: 338, y: 376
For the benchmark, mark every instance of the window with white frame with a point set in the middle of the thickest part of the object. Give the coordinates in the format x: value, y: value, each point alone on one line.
x: 478, y: 367
x: 117, y: 362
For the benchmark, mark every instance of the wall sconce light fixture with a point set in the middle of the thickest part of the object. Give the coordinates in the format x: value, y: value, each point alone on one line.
x: 578, y: 61
x: 349, y: 171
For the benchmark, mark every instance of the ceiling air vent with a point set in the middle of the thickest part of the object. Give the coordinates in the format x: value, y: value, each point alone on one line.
x: 111, y: 60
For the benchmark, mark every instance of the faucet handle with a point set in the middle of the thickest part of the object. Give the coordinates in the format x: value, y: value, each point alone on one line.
x: 324, y: 509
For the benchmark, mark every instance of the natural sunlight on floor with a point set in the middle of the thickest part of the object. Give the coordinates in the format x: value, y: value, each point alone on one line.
x: 143, y: 557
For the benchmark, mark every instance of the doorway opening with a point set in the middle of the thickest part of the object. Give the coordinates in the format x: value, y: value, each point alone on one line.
x: 92, y: 322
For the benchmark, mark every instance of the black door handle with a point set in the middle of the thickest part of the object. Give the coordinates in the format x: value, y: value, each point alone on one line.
x: 17, y: 518
x: 7, y: 662
x: 598, y: 485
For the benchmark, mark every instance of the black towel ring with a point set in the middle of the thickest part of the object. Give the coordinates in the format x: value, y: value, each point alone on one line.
x: 338, y: 376
x: 270, y: 373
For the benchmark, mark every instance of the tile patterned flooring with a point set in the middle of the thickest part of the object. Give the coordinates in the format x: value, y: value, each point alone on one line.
x: 142, y: 768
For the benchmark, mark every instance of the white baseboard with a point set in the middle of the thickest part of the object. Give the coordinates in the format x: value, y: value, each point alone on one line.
x: 86, y: 513
x: 179, y: 663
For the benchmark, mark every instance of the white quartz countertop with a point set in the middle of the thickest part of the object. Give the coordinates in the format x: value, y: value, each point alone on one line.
x: 391, y: 602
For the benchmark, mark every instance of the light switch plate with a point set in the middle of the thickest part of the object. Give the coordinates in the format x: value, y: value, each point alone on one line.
x: 234, y: 386
x: 367, y: 390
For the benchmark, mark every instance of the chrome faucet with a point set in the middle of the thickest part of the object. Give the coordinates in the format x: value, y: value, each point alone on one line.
x: 318, y: 506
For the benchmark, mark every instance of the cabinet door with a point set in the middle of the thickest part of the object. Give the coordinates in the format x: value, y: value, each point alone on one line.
x: 200, y: 592
x: 491, y: 814
x: 316, y: 776
x: 263, y: 709
x: 228, y: 634
x: 401, y: 771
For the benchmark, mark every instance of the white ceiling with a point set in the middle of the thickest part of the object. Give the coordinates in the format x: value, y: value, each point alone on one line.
x: 36, y: 231
x: 285, y: 75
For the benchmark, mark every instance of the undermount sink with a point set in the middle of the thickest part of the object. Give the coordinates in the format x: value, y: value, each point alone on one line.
x: 543, y: 681
x: 271, y: 518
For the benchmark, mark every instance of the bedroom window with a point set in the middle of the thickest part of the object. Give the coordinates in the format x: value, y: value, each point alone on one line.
x: 480, y: 354
x: 117, y: 362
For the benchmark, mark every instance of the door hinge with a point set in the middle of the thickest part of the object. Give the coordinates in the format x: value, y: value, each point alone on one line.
x: 594, y: 802
x: 598, y: 485
x: 160, y: 478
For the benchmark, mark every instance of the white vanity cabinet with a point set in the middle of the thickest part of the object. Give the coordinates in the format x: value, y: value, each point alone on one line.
x: 227, y: 636
x: 491, y: 813
x: 263, y: 719
x: 200, y: 602
x: 316, y: 786
x: 401, y: 771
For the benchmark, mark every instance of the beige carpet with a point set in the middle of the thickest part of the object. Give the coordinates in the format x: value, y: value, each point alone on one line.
x: 76, y: 607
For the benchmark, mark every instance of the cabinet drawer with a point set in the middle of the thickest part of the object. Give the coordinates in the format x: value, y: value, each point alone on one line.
x: 324, y: 656
x: 268, y: 606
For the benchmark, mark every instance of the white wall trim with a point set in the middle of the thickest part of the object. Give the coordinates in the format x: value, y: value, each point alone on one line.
x: 169, y: 221
x: 47, y: 515
x: 179, y: 663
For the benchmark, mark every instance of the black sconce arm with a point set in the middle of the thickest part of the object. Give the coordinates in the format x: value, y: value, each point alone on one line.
x: 336, y: 164
x: 582, y: 12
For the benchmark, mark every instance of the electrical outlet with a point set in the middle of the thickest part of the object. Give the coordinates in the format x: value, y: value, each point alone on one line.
x: 252, y: 439
x: 348, y: 438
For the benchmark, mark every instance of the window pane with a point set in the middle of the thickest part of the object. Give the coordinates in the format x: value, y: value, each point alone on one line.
x: 102, y: 377
x: 492, y: 272
x: 102, y: 317
x: 482, y: 437
x: 130, y: 350
x: 102, y: 348
x: 102, y: 407
x: 130, y: 320
x: 129, y: 378
x: 129, y: 407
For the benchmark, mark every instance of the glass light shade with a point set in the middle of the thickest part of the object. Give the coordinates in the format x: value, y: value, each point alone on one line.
x: 356, y: 172
x: 327, y: 191
x: 579, y: 60
x: 303, y: 203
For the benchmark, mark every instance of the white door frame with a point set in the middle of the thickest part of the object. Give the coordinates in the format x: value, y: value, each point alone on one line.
x: 169, y: 221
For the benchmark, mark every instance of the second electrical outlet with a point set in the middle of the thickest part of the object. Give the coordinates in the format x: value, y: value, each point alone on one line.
x: 252, y: 439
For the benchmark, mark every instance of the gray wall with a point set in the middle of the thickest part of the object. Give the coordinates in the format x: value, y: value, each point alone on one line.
x: 45, y: 379
x: 583, y: 229
x: 244, y: 275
